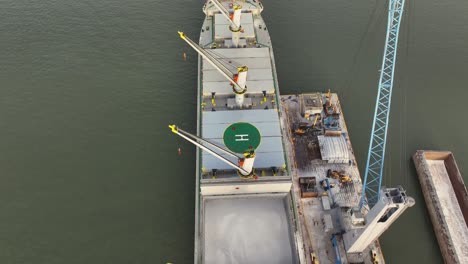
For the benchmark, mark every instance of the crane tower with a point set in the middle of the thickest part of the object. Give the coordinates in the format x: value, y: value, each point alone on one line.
x: 376, y: 155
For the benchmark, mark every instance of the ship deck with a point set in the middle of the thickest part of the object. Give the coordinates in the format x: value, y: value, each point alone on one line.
x: 241, y: 220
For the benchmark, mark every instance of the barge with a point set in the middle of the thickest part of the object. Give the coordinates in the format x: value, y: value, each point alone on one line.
x: 446, y: 200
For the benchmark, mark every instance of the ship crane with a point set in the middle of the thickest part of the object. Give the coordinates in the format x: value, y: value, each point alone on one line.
x: 244, y: 165
x: 383, y: 205
x: 238, y: 81
x: 234, y: 20
x: 376, y: 154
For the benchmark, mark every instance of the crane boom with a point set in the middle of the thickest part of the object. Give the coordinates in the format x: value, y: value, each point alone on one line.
x: 238, y: 82
x: 248, y: 159
x: 234, y: 21
x: 210, y: 58
x: 376, y: 154
x: 205, y: 142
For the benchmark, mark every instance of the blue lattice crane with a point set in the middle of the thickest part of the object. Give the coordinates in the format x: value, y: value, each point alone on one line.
x: 376, y: 155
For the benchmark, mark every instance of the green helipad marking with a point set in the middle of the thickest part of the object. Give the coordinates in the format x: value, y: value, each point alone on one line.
x: 241, y: 137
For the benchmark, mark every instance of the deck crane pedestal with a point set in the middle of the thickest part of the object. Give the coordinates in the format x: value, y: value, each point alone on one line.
x: 238, y: 81
x: 234, y: 19
x: 244, y: 164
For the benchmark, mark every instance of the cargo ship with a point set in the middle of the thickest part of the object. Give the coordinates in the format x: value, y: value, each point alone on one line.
x: 276, y: 176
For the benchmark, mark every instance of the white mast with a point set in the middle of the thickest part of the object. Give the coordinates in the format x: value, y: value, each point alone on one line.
x: 234, y: 20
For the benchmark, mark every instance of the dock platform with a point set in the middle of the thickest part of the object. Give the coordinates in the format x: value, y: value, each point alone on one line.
x: 317, y: 143
x: 447, y: 202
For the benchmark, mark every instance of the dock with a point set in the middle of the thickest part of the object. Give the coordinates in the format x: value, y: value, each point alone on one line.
x: 323, y: 214
x: 446, y: 200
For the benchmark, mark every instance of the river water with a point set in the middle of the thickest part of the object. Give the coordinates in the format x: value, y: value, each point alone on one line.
x: 89, y: 172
